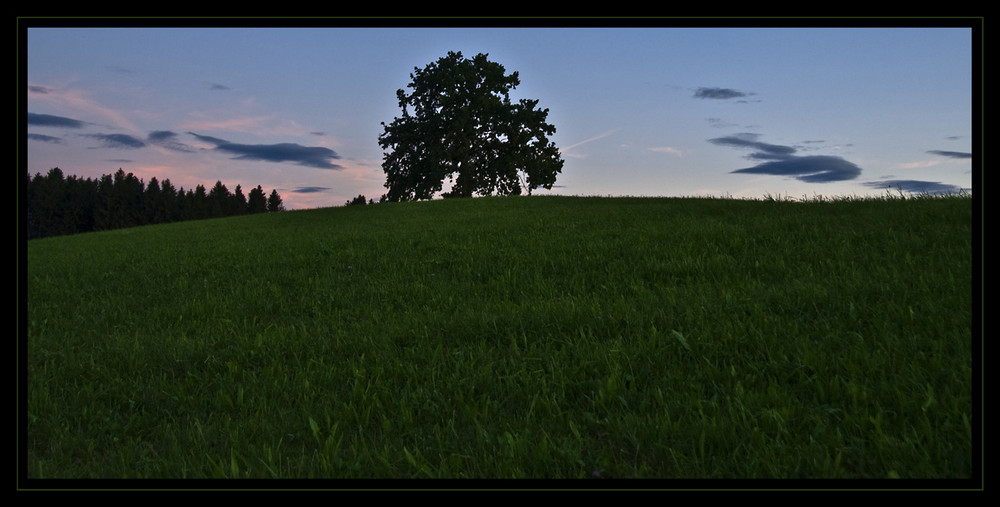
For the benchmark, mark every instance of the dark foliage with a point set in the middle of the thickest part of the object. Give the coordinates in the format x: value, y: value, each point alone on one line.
x: 57, y: 205
x: 459, y: 124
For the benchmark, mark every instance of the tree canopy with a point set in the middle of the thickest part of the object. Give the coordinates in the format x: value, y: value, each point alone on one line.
x: 458, y: 123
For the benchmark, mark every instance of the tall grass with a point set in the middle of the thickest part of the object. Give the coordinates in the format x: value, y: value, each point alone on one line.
x: 529, y: 337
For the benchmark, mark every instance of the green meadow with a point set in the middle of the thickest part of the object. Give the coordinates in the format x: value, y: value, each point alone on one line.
x: 510, y: 337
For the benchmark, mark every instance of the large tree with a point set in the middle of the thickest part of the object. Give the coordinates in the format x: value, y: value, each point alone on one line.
x: 458, y: 123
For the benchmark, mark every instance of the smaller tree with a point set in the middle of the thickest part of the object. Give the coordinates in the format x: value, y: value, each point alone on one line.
x: 237, y: 202
x: 198, y: 201
x: 360, y: 199
x: 169, y: 197
x: 274, y: 202
x: 152, y: 202
x: 48, y: 194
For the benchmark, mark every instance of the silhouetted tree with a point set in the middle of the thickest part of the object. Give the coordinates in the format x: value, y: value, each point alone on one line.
x: 102, y: 209
x: 257, y: 202
x: 169, y: 198
x: 120, y: 201
x: 48, y: 209
x: 360, y: 199
x: 199, y: 203
x: 152, y: 202
x: 218, y: 200
x: 237, y: 202
x: 79, y: 202
x: 464, y: 127
x: 274, y: 202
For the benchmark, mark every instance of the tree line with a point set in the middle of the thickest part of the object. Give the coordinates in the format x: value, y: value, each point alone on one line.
x: 59, y: 205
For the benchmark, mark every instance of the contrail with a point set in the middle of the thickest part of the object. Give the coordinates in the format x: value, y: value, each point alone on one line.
x: 585, y: 141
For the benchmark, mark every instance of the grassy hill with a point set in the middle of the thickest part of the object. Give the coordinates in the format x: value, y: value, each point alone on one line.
x: 546, y: 337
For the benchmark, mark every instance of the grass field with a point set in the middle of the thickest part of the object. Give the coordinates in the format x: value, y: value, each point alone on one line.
x: 521, y: 337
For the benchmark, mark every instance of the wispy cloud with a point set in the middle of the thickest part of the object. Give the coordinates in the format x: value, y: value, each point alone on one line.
x: 950, y: 154
x: 668, y: 150
x: 309, y: 156
x: 241, y: 124
x: 718, y: 93
x: 602, y: 135
x: 782, y: 161
x: 764, y: 151
x: 957, y: 155
x: 168, y: 140
x: 123, y: 141
x: 917, y: 165
x: 119, y: 70
x: 48, y: 120
x: 915, y: 186
x: 719, y: 123
x: 81, y: 102
x: 44, y: 138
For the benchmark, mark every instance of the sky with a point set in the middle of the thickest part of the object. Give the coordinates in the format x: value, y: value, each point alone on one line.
x: 740, y: 112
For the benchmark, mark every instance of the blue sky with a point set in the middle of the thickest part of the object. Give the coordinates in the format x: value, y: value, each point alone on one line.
x: 663, y: 111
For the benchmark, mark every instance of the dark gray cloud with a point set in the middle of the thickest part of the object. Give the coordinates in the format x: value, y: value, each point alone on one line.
x: 309, y: 156
x: 217, y: 86
x: 161, y: 136
x: 45, y: 138
x: 719, y: 93
x: 168, y: 140
x: 782, y: 161
x: 810, y: 169
x: 764, y: 151
x: 952, y: 154
x: 48, y: 120
x: 118, y: 141
x: 916, y: 186
x: 310, y: 190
